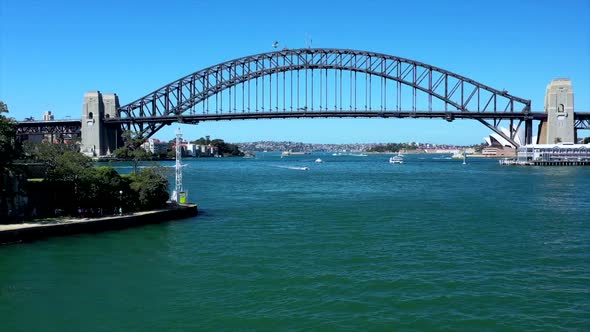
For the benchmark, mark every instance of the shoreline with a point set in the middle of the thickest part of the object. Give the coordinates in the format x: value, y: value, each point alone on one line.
x: 28, y: 232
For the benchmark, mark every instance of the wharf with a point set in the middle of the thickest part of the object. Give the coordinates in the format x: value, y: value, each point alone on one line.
x: 26, y: 232
x: 545, y: 163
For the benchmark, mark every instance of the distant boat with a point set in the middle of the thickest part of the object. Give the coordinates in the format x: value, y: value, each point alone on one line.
x: 396, y: 160
x: 358, y: 155
x: 458, y: 155
x: 319, y: 161
x: 292, y: 153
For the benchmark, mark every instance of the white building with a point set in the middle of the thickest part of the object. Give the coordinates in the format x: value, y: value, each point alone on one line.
x: 48, y: 116
x: 553, y: 152
x: 155, y: 146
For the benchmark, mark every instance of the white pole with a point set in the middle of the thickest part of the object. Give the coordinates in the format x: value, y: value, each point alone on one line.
x: 178, y: 164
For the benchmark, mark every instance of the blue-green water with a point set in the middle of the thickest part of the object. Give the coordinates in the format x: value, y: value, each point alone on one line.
x: 352, y: 244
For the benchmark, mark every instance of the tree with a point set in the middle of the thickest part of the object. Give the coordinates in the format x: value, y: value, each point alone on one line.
x: 132, y: 150
x: 72, y: 177
x: 10, y: 150
x: 226, y: 149
x: 151, y: 188
x: 107, y: 187
x: 9, y: 147
x: 586, y: 140
x: 201, y: 141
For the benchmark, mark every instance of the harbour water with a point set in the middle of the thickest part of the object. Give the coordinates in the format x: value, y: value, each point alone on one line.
x: 354, y: 243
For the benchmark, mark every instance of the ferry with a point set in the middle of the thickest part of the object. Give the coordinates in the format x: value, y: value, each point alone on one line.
x: 292, y: 153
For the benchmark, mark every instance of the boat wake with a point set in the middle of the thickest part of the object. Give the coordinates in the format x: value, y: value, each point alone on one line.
x: 305, y: 168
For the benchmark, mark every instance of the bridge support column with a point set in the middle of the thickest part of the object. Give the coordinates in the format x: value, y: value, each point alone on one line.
x: 528, y: 131
x: 559, y: 106
x: 97, y: 138
x: 112, y: 134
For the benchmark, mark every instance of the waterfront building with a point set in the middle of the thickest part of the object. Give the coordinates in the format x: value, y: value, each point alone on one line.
x: 498, y: 152
x: 155, y: 146
x: 565, y: 154
x: 192, y: 150
x: 553, y: 152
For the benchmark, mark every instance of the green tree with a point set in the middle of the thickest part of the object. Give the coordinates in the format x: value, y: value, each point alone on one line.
x: 46, y: 153
x: 106, y: 189
x: 151, y: 188
x: 226, y: 149
x: 586, y: 140
x: 10, y: 150
x: 72, y: 177
x: 132, y: 150
x: 201, y: 141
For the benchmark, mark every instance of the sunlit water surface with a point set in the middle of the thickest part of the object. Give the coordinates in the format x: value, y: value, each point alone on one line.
x: 354, y: 243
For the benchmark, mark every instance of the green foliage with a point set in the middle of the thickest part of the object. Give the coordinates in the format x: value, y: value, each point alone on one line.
x: 226, y: 149
x: 10, y: 150
x: 171, y: 154
x: 150, y: 187
x: 72, y: 184
x: 46, y: 153
x: 586, y: 140
x: 132, y: 150
x: 201, y: 141
x: 392, y: 147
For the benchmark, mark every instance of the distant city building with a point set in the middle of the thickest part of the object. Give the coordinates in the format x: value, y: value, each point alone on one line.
x: 48, y: 116
x: 155, y: 146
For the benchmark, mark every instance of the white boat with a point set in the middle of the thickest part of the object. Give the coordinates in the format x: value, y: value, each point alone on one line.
x: 319, y: 161
x: 458, y: 155
x: 396, y: 160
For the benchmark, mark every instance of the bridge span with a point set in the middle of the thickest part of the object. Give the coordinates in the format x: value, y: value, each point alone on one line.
x: 312, y: 83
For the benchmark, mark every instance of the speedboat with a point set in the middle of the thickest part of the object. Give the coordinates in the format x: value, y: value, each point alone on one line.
x: 319, y: 161
x: 396, y: 160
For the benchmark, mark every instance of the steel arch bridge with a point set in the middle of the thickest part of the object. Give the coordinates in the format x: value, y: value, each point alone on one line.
x: 309, y: 83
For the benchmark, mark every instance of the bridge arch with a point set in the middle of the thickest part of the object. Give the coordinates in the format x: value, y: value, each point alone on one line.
x: 418, y: 90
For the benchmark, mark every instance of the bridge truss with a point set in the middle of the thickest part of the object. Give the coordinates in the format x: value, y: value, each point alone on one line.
x: 299, y: 83
x: 60, y: 129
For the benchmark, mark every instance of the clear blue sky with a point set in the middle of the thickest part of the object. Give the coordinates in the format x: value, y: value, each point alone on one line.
x: 51, y: 52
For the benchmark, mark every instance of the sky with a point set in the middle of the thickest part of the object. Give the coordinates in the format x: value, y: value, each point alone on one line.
x: 52, y: 52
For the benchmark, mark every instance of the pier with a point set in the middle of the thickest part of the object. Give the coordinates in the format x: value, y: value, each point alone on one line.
x: 544, y: 163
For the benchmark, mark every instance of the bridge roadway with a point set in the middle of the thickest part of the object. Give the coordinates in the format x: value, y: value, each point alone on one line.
x: 49, y: 127
x: 449, y: 116
x: 68, y: 126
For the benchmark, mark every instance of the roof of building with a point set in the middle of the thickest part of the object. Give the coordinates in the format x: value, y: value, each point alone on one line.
x: 558, y: 146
